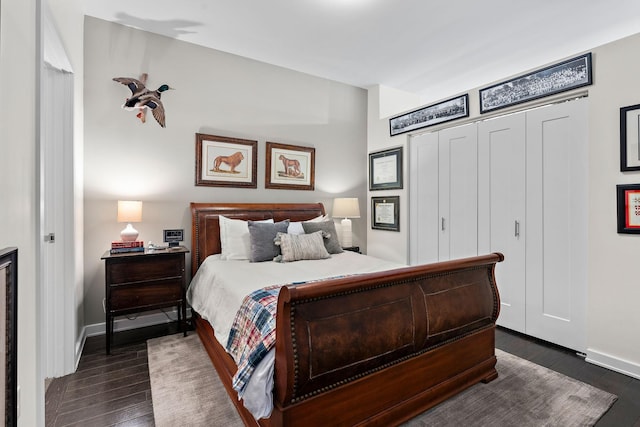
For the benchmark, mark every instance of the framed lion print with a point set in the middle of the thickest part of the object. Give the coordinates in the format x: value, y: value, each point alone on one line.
x: 290, y: 167
x: 226, y: 162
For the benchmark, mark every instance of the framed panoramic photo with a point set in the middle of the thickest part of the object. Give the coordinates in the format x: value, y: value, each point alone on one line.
x: 567, y: 75
x: 630, y: 138
x: 385, y: 169
x: 628, y: 201
x: 226, y: 162
x: 290, y: 167
x: 431, y: 115
x: 385, y: 213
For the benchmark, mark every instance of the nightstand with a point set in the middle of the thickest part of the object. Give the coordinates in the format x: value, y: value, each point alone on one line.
x: 352, y: 249
x: 142, y: 281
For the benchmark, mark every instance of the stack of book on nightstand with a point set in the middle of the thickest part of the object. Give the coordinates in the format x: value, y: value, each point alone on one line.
x: 118, y: 247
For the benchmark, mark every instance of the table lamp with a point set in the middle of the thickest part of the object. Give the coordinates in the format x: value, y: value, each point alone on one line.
x: 129, y: 211
x: 346, y: 208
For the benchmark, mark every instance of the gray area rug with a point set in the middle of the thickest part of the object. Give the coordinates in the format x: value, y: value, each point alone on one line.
x: 186, y: 390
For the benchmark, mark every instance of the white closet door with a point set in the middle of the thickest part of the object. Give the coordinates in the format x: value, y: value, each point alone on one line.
x: 458, y: 194
x: 501, y: 210
x: 423, y: 199
x: 556, y: 225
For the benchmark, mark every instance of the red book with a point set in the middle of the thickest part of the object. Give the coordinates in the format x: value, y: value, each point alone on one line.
x: 116, y: 244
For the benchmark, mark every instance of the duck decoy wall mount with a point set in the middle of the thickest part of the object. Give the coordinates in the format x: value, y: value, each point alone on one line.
x: 143, y: 98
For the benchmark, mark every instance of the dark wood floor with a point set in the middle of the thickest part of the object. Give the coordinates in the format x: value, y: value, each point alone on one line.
x: 115, y: 390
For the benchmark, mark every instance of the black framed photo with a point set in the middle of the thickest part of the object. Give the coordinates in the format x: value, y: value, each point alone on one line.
x: 385, y: 169
x: 430, y: 115
x: 561, y: 77
x: 385, y: 213
x: 628, y: 201
x: 630, y: 138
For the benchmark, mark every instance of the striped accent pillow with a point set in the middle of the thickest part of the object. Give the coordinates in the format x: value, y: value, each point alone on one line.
x: 295, y: 247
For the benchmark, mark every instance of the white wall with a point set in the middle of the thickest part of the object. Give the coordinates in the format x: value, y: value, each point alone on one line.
x: 614, y: 291
x: 18, y: 188
x: 216, y: 93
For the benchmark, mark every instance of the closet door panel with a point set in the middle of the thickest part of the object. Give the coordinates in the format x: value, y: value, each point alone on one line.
x: 458, y: 198
x: 557, y: 223
x: 423, y: 199
x: 501, y: 210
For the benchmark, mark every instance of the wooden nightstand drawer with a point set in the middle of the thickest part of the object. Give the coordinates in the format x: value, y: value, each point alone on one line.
x: 146, y: 269
x: 144, y: 281
x: 126, y: 297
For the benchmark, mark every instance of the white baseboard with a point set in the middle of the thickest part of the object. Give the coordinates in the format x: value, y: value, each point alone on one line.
x: 614, y: 363
x: 124, y: 323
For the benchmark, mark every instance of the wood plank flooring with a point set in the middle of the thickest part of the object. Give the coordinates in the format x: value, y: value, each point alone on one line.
x: 115, y: 390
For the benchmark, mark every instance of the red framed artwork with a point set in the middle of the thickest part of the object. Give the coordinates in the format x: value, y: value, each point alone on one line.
x: 628, y: 200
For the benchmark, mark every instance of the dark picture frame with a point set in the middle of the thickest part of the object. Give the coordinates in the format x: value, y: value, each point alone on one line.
x: 557, y: 78
x: 385, y: 213
x: 630, y: 138
x: 290, y: 167
x: 222, y: 161
x: 385, y: 169
x: 628, y: 203
x: 9, y: 286
x: 431, y: 115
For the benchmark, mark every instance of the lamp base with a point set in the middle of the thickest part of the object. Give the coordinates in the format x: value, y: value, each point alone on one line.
x: 129, y: 234
x: 347, y: 236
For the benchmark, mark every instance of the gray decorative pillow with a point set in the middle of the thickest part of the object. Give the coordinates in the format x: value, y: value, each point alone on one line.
x: 331, y: 239
x: 295, y: 247
x: 261, y: 236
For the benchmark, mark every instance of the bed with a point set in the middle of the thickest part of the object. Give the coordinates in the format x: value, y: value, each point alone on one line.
x: 367, y: 349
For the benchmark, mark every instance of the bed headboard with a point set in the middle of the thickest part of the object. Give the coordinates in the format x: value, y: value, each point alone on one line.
x: 205, y: 226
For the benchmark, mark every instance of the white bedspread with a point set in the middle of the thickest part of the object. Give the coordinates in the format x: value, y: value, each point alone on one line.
x: 218, y: 288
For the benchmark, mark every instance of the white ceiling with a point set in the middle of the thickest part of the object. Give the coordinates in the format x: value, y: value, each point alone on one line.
x: 435, y: 49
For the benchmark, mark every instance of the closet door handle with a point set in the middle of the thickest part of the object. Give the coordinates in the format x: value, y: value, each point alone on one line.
x: 517, y: 229
x: 442, y: 223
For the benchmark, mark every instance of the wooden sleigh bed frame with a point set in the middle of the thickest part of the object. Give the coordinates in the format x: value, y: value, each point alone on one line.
x: 372, y: 349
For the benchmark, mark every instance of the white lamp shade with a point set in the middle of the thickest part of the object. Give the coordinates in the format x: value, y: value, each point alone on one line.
x: 129, y: 211
x: 346, y: 207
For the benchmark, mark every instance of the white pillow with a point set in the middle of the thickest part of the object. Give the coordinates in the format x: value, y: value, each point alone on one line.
x: 296, y: 227
x: 234, y: 238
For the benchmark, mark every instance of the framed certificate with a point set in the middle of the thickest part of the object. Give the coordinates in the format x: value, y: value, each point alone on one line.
x: 385, y: 213
x: 385, y: 169
x: 630, y: 138
x: 628, y: 197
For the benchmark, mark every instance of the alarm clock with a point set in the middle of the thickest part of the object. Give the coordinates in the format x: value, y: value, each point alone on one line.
x: 173, y: 237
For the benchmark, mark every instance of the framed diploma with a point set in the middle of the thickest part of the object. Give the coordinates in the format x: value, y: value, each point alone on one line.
x: 385, y: 213
x: 630, y: 138
x: 385, y: 169
x: 628, y: 197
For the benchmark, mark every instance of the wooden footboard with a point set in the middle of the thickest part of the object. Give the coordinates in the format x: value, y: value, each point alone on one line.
x: 380, y: 348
